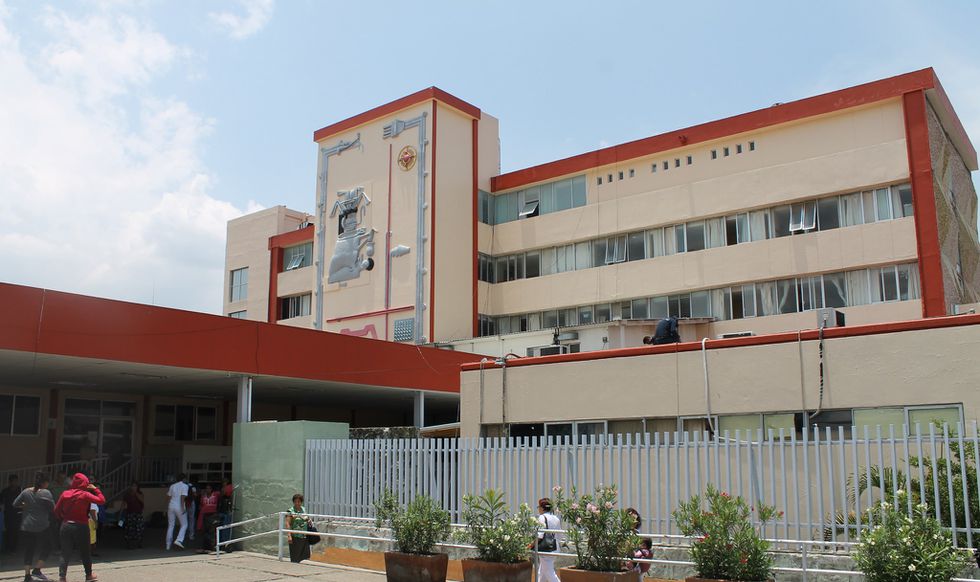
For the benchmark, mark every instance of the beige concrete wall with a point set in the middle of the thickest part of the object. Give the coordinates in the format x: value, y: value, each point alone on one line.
x: 830, y: 154
x: 453, y: 300
x: 247, y: 245
x: 878, y: 370
x: 26, y: 451
x: 488, y: 150
x: 840, y: 249
x: 296, y: 281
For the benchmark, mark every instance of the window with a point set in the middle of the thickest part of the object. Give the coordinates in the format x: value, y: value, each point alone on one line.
x: 666, y: 165
x: 620, y: 175
x: 298, y: 256
x: 632, y: 172
x: 530, y: 208
x: 598, y: 180
x: 636, y: 246
x: 239, y: 284
x: 725, y: 151
x: 296, y: 306
x: 532, y: 264
x: 690, y: 160
x: 602, y: 313
x: 659, y: 308
x: 181, y: 422
x: 772, y: 424
x: 883, y: 204
x: 583, y: 255
x: 751, y: 146
x: 902, y: 200
x: 640, y: 309
x: 655, y: 243
x: 921, y: 417
x: 485, y: 202
x: 578, y: 191
x: 238, y: 314
x: 700, y: 304
x: 828, y: 213
x: 835, y: 290
x: 677, y: 162
x: 803, y: 216
x: 615, y: 249
x: 786, y: 296
x: 744, y: 427
x: 714, y: 154
x: 609, y: 178
x: 695, y: 236
x: 585, y: 315
x: 781, y: 223
x: 871, y: 418
x: 738, y: 149
x: 20, y: 415
x: 653, y: 167
x: 680, y: 240
x: 760, y: 225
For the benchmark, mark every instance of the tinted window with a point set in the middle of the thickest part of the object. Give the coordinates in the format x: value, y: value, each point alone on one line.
x: 829, y: 216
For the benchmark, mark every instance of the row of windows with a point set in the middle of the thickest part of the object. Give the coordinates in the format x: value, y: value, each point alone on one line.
x: 298, y: 256
x: 238, y: 282
x: 19, y: 415
x: 185, y: 423
x: 238, y: 314
x: 295, y: 306
x: 909, y: 420
x: 666, y: 164
x: 775, y: 222
x: 531, y: 202
x: 840, y: 289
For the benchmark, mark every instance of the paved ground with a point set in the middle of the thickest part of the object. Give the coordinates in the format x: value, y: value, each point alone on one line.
x: 153, y: 564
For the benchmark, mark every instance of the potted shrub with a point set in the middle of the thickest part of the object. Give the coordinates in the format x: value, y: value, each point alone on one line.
x: 602, y: 535
x: 912, y: 547
x: 417, y: 528
x: 727, y: 546
x: 502, y: 539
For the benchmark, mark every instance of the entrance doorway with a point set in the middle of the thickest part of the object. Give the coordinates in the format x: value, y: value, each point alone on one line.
x: 98, y: 429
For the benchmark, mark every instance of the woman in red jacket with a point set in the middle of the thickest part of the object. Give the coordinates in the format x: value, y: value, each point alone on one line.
x: 72, y: 509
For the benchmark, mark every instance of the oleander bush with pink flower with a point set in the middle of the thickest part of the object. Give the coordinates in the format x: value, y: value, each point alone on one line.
x: 601, y: 533
x: 728, y: 543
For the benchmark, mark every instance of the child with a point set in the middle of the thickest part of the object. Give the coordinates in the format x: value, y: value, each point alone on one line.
x: 644, y: 552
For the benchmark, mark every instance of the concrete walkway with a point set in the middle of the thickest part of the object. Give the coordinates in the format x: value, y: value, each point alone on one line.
x: 236, y: 567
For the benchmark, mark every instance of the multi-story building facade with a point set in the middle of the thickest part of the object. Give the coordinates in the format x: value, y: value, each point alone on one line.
x: 859, y: 200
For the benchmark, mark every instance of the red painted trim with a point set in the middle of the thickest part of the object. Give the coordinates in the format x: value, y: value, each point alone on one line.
x: 429, y: 94
x: 924, y: 201
x: 476, y: 227
x: 275, y: 267
x: 372, y: 313
x: 432, y: 227
x: 821, y: 104
x: 292, y: 238
x: 771, y: 339
x: 51, y: 322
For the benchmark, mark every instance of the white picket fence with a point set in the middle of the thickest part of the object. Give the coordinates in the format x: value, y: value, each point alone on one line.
x: 811, y: 478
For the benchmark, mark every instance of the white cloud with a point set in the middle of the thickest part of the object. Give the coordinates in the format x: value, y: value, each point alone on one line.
x: 240, y: 26
x: 103, y: 190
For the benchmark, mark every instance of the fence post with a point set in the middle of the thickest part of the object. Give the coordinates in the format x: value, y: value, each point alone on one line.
x: 281, y: 523
x: 803, y: 553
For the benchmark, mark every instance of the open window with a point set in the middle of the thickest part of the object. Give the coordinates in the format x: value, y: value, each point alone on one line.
x: 803, y: 216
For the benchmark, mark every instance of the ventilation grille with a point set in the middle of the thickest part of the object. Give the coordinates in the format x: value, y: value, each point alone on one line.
x: 405, y: 329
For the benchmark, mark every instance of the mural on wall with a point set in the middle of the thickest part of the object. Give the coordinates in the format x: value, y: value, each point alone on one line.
x: 355, y: 242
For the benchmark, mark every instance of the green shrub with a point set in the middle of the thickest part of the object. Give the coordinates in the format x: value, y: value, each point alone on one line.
x: 601, y: 534
x: 912, y: 548
x: 498, y: 535
x: 417, y: 527
x: 726, y: 545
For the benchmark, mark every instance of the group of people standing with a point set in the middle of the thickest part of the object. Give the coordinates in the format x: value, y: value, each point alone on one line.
x: 549, y: 542
x: 190, y: 511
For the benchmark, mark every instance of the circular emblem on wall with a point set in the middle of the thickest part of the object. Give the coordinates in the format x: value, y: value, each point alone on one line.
x: 407, y: 158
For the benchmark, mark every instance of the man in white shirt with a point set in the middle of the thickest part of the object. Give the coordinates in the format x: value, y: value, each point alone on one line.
x: 177, y: 511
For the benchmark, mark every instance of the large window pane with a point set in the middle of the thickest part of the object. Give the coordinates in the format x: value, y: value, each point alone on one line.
x: 563, y: 195
x: 547, y: 199
x: 583, y: 255
x: 851, y: 211
x: 778, y: 424
x: 640, y: 309
x: 905, y: 199
x: 746, y: 425
x: 585, y: 315
x: 760, y: 227
x: 616, y: 249
x: 940, y: 415
x: 835, y: 290
x: 655, y: 242
x: 207, y: 424
x: 872, y: 418
x: 602, y: 313
x: 532, y: 265
x: 659, y: 308
x: 868, y: 202
x: 680, y: 242
x: 748, y: 300
x: 883, y: 202
x: 670, y: 240
x: 184, y: 428
x: 6, y: 413
x: 737, y: 310
x: 786, y: 296
x: 828, y: 211
x: 163, y: 422
x: 27, y: 415
x: 599, y: 252
x: 889, y: 284
x: 636, y: 249
x: 118, y: 408
x: 700, y: 304
x: 578, y: 191
x: 714, y: 233
x: 742, y: 222
x: 83, y: 406
x: 858, y: 290
x: 549, y: 319
x: 731, y: 230
x: 796, y: 217
x: 781, y: 220
x: 809, y: 215
x: 695, y: 236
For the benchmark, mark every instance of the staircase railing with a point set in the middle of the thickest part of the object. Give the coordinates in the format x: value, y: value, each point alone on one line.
x: 114, y: 480
x: 96, y: 466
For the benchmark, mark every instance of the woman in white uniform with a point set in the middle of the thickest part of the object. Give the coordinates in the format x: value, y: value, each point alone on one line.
x: 547, y: 542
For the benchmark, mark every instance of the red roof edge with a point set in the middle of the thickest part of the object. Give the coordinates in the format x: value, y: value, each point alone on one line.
x: 428, y: 94
x: 293, y: 237
x: 776, y: 338
x: 782, y: 113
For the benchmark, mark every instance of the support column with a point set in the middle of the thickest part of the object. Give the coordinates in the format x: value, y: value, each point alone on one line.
x: 245, y: 399
x: 419, y: 409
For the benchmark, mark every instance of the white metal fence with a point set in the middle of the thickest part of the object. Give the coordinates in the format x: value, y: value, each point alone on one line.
x: 822, y: 481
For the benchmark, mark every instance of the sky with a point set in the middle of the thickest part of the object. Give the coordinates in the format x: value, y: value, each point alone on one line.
x: 131, y: 131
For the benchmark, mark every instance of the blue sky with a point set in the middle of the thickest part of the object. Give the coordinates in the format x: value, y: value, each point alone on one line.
x: 131, y: 131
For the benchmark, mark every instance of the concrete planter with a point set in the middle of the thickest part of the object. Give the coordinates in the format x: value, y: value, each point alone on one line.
x: 576, y: 575
x: 480, y: 571
x: 400, y: 567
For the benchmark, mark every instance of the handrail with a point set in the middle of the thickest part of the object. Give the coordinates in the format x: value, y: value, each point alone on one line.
x: 281, y: 529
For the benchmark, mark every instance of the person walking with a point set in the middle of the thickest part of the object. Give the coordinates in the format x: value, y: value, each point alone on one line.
x: 11, y: 515
x: 299, y: 544
x: 36, y: 505
x: 72, y: 509
x: 206, y: 517
x: 547, y: 541
x: 177, y: 512
x: 133, y: 516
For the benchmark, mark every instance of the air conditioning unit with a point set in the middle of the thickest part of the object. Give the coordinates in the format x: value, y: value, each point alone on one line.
x: 732, y: 334
x: 550, y: 350
x: 829, y: 317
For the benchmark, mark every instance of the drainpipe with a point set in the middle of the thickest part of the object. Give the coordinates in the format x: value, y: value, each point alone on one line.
x: 707, y: 392
x: 321, y: 222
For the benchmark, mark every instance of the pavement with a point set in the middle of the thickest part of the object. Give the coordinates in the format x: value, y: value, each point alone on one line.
x: 153, y: 564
